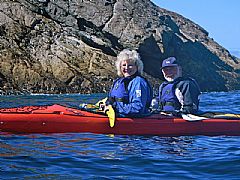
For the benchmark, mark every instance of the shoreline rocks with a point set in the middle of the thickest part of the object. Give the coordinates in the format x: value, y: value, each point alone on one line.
x: 71, y: 46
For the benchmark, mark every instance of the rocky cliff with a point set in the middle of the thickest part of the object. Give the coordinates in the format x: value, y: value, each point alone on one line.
x: 59, y: 46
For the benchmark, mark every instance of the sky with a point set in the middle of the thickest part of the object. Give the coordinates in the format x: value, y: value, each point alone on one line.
x: 220, y: 18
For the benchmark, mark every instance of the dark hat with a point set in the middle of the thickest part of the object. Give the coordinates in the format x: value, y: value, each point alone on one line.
x: 171, y: 61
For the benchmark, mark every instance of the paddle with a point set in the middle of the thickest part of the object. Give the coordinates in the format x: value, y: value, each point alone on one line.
x: 99, y: 107
x: 228, y: 116
x: 209, y: 115
x: 111, y: 115
x: 93, y: 107
x: 110, y: 111
x: 192, y: 117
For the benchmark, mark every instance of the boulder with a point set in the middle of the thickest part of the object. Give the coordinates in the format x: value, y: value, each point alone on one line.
x: 58, y: 46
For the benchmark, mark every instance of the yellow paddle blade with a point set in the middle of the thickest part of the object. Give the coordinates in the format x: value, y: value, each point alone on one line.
x: 102, y: 101
x: 111, y: 115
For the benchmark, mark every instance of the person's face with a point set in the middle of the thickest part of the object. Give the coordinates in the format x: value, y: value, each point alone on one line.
x: 170, y: 73
x: 128, y: 68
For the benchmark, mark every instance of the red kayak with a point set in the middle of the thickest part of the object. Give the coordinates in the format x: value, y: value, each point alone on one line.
x: 60, y: 119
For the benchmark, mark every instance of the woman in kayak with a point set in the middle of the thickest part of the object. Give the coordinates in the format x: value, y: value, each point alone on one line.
x: 131, y: 94
x: 177, y: 94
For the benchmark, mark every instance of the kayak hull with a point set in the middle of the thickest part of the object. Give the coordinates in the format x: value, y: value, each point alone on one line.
x: 60, y: 119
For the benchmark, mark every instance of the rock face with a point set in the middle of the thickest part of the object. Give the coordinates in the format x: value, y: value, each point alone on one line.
x: 59, y: 46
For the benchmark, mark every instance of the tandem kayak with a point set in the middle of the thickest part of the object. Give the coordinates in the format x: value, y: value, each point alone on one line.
x: 61, y: 119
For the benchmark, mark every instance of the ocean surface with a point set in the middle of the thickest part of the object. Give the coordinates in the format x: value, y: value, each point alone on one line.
x: 96, y: 156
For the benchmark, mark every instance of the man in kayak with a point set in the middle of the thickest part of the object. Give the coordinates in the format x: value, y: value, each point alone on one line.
x: 131, y: 94
x: 177, y: 94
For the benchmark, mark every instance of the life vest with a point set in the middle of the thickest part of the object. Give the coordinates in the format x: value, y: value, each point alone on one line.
x: 167, y: 98
x: 119, y: 91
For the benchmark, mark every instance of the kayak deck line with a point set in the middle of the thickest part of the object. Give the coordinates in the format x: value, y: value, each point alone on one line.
x: 61, y: 119
x: 51, y: 109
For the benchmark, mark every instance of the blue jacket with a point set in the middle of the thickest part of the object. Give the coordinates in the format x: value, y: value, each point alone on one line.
x: 137, y: 96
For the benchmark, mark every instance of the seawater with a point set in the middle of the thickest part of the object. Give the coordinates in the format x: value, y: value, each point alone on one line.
x: 97, y: 156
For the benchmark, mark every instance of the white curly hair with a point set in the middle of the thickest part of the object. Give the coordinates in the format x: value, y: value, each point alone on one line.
x: 131, y: 55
